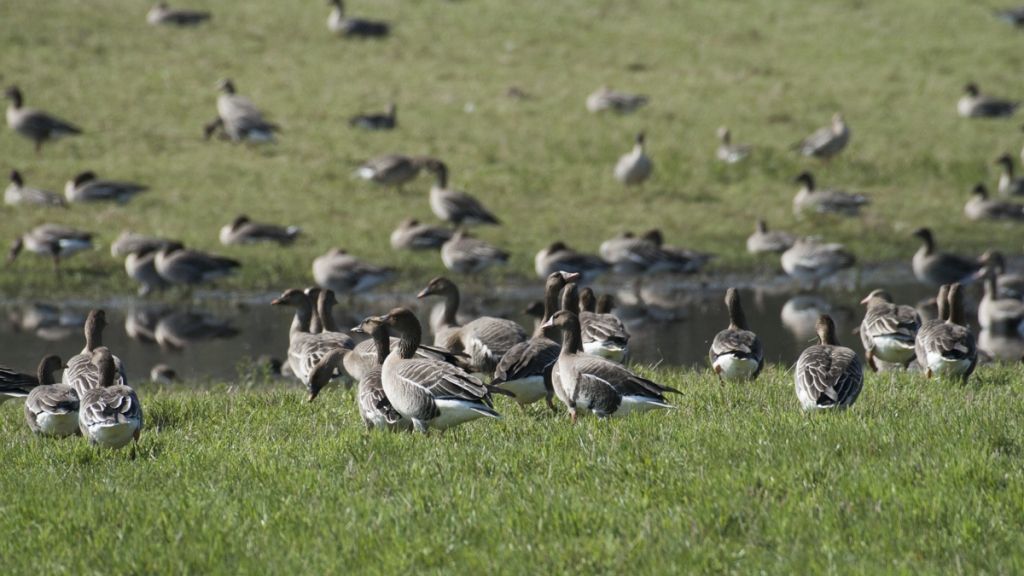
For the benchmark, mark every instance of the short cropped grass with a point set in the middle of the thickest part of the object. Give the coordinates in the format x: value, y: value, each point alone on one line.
x: 920, y: 476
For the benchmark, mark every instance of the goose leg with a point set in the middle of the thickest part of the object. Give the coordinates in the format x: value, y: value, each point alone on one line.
x: 572, y: 415
x: 871, y: 359
x: 419, y: 426
x: 718, y: 372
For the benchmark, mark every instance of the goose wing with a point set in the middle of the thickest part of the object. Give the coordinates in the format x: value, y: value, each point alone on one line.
x: 831, y: 375
x: 603, y: 328
x: 441, y: 380
x: 465, y: 207
x: 891, y: 320
x: 14, y: 383
x: 597, y: 371
x: 55, y: 399
x: 741, y: 343
x: 39, y: 122
x: 498, y: 335
x: 114, y: 405
x: 529, y: 358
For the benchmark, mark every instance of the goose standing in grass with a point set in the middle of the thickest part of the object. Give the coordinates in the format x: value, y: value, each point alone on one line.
x: 727, y: 151
x: 345, y: 274
x: 828, y: 375
x: 1001, y: 315
x: 379, y: 121
x: 179, y: 266
x: 140, y: 265
x: 736, y: 352
x: 14, y: 384
x: 430, y: 393
x: 239, y: 118
x: 306, y: 350
x: 36, y: 125
x: 604, y: 98
x: 603, y: 335
x: 353, y: 27
x: 485, y: 340
x: 57, y: 242
x: 947, y: 347
x: 86, y: 187
x: 980, y: 207
x: 163, y: 15
x: 559, y: 257
x: 80, y: 372
x: 888, y: 331
x: 17, y: 194
x: 768, y: 241
x: 812, y: 260
x: 324, y: 371
x: 109, y: 415
x: 635, y: 167
x: 827, y: 200
x: 242, y: 230
x: 973, y: 104
x: 935, y: 268
x: 464, y: 254
x: 374, y: 406
x: 411, y: 234
x: 1009, y: 184
x: 594, y: 384
x: 51, y: 409
x: 455, y: 206
x: 395, y: 170
x: 827, y: 141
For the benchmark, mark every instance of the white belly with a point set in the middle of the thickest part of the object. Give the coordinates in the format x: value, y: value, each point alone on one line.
x: 894, y: 350
x: 609, y: 350
x: 57, y: 424
x: 113, y: 435
x: 631, y: 404
x: 455, y: 412
x: 940, y: 365
x: 731, y: 367
x: 527, y: 390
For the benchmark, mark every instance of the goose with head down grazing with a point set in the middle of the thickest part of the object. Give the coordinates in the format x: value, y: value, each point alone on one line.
x: 465, y: 254
x: 559, y: 257
x: 306, y: 350
x: 36, y: 125
x: 239, y: 118
x: 827, y: 141
x: 455, y: 206
x: 974, y: 104
x: 374, y: 406
x: 18, y: 194
x: 80, y: 372
x: 243, y: 230
x: 825, y: 200
x: 1009, y: 185
x: 888, y: 331
x: 634, y: 167
x: 981, y: 207
x: 604, y: 98
x: 51, y: 409
x: 53, y: 240
x: 727, y: 151
x: 86, y: 187
x: 770, y: 241
x: 395, y: 170
x: 161, y: 14
x: 345, y: 274
x: 947, y: 346
x: 109, y: 415
x: 936, y: 268
x: 812, y: 260
x: 736, y: 352
x: 828, y: 375
x: 411, y: 234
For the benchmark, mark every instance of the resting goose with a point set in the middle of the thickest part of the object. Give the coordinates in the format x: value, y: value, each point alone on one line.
x: 430, y: 393
x: 109, y: 415
x: 14, y: 384
x: 411, y: 234
x: 86, y: 187
x: 391, y: 170
x: 768, y: 241
x: 179, y: 266
x: 485, y: 340
x: 736, y: 352
x: 635, y: 167
x: 727, y: 151
x: 353, y: 27
x: 242, y: 230
x: 374, y: 406
x: 36, y: 125
x: 936, y: 268
x: 604, y: 98
x: 973, y: 104
x: 128, y: 242
x: 140, y: 265
x: 559, y: 257
x: 53, y: 240
x: 385, y: 121
x: 240, y: 118
x: 593, y: 384
x: 827, y: 141
x: 306, y: 350
x: 981, y: 207
x: 603, y: 334
x: 825, y: 201
x: 947, y: 347
x: 1002, y: 315
x: 455, y: 206
x: 811, y: 260
x: 828, y: 375
x: 888, y: 331
x: 51, y: 409
x: 345, y: 274
x: 17, y: 193
x: 464, y: 254
x: 163, y: 15
x: 80, y: 373
x: 1009, y: 185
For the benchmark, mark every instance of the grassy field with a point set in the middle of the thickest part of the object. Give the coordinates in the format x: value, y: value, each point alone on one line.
x: 773, y: 71
x: 919, y: 476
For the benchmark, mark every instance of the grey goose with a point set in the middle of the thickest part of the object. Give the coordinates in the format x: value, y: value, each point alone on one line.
x: 974, y: 104
x: 947, y: 347
x: 17, y: 194
x: 727, y: 151
x: 51, y: 409
x: 764, y: 240
x: 80, y: 372
x: 383, y: 121
x: 345, y: 274
x: 242, y: 230
x: 828, y: 375
x: 395, y: 170
x: 36, y: 125
x: 239, y: 118
x: 559, y: 257
x: 935, y: 268
x: 603, y: 334
x: 53, y: 240
x: 812, y: 260
x: 997, y: 313
x: 1011, y: 284
x: 465, y: 254
x: 179, y: 266
x: 161, y: 14
x: 981, y: 207
x: 680, y: 260
x: 324, y: 371
x: 455, y: 206
x: 140, y: 265
x: 14, y: 384
x: 604, y: 98
x: 827, y: 141
x: 648, y: 254
x: 305, y: 350
x: 605, y: 304
x: 353, y: 27
x: 736, y: 353
x: 128, y: 242
x: 634, y: 167
x: 826, y: 200
x: 1009, y: 184
x: 411, y: 234
x: 109, y: 415
x: 374, y: 406
x: 888, y: 331
x: 86, y: 187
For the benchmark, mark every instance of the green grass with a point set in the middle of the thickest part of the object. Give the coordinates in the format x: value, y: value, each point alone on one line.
x: 772, y: 70
x: 920, y: 476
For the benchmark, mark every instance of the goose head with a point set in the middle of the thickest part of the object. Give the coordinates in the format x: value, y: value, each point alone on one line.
x: 291, y: 297
x: 761, y: 226
x: 439, y: 286
x: 641, y: 140
x: 877, y: 295
x: 838, y: 124
x: 724, y: 135
x: 654, y: 236
x: 324, y: 370
x: 226, y: 86
x: 1005, y: 161
x: 83, y: 177
x: 103, y: 360
x: 805, y: 179
x: 995, y: 259
x: 826, y: 330
x: 408, y: 223
x: 47, y: 366
x: 402, y: 321
x: 439, y: 169
x: 13, y: 93
x: 971, y: 89
x: 925, y: 234
x: 980, y: 190
x: 563, y: 320
x: 370, y: 325
x: 16, y: 178
x: 556, y: 247
x: 239, y: 221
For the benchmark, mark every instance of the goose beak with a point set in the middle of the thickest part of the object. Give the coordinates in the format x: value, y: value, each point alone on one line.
x: 276, y: 302
x: 573, y: 276
x: 357, y: 330
x: 548, y: 324
x: 312, y: 396
x: 423, y: 293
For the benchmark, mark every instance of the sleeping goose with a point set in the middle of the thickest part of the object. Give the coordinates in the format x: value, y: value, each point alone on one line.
x: 17, y: 193
x: 36, y: 125
x: 812, y: 260
x: 768, y: 241
x: 86, y: 187
x: 973, y: 104
x: 1009, y: 185
x: 604, y: 98
x: 485, y: 340
x: 80, y: 373
x: 432, y: 394
x: 306, y: 350
x: 242, y: 230
x: 827, y: 141
x: 936, y: 268
x: 559, y: 257
x: 1002, y: 315
x: 140, y: 265
x: 109, y: 415
x: 163, y: 15
x: 593, y: 384
x: 828, y: 375
x: 391, y: 170
x: 464, y: 254
x: 385, y: 121
x: 888, y: 330
x: 179, y: 266
x: 345, y: 274
x: 603, y: 334
x: 353, y: 27
x: 827, y: 200
x: 240, y: 118
x: 128, y: 242
x: 635, y: 167
x: 411, y: 234
x: 53, y: 240
x: 455, y: 206
x: 14, y: 384
x: 947, y: 347
x: 727, y: 151
x: 736, y: 352
x: 374, y: 406
x: 51, y: 409
x: 980, y: 207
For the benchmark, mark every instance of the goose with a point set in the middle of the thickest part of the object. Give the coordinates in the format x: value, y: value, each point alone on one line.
x: 128, y: 242
x: 603, y: 334
x: 374, y: 406
x: 162, y: 374
x: 973, y: 104
x: 163, y: 15
x: 239, y: 118
x: 828, y: 375
x: 385, y: 121
x: 559, y: 257
x: 17, y: 193
x: 345, y: 274
x: 647, y: 254
x: 14, y: 384
x: 1002, y: 315
x: 80, y: 373
x: 674, y: 259
x: 768, y: 241
x: 811, y: 260
x: 51, y: 409
x: 464, y: 254
x: 635, y: 167
x: 605, y: 304
x: 1011, y: 284
x: 430, y: 393
x: 140, y: 265
x: 825, y: 201
x: 521, y: 369
x: 455, y: 206
x: 395, y: 170
x: 109, y: 415
x: 411, y: 234
x: 604, y: 98
x: 180, y: 329
x: 36, y: 125
x: 176, y: 265
x: 827, y: 141
x: 935, y: 268
x: 57, y: 242
x: 485, y: 340
x: 980, y: 207
x: 324, y: 371
x: 947, y: 347
x: 727, y: 151
x: 242, y: 230
x: 736, y: 352
x: 353, y: 27
x: 594, y: 384
x: 86, y: 187
x: 888, y: 331
x: 306, y: 350
x: 1009, y: 185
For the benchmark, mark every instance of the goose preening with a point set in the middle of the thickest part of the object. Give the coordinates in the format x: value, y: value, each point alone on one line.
x: 588, y: 383
x: 36, y: 125
x: 825, y: 200
x: 51, y: 409
x: 376, y: 121
x: 109, y: 415
x: 810, y: 259
x: 485, y: 340
x: 353, y: 27
x: 391, y: 169
x: 828, y: 375
x: 603, y: 334
x: 764, y: 240
x: 128, y: 242
x: 374, y: 406
x: 161, y: 14
x: 634, y: 167
x: 888, y: 330
x: 455, y: 206
x: 996, y: 313
x: 86, y: 187
x: 827, y: 141
x: 736, y: 352
x: 727, y: 151
x: 242, y: 230
x: 1009, y: 184
x: 345, y: 274
x: 946, y: 346
x: 974, y: 104
x: 57, y: 242
x: 306, y: 350
x: 179, y: 266
x: 140, y: 265
x: 17, y: 193
x: 239, y: 118
x: 559, y: 257
x: 604, y: 98
x: 80, y: 372
x: 411, y: 234
x: 464, y: 254
x: 936, y: 268
x: 981, y: 207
